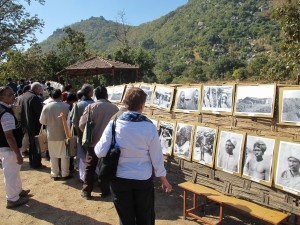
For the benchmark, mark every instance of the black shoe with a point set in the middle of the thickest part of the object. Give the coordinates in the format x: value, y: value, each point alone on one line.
x: 104, y: 195
x: 25, y: 153
x: 86, y: 195
x: 41, y: 167
x: 20, y: 201
x: 24, y: 193
x: 67, y: 177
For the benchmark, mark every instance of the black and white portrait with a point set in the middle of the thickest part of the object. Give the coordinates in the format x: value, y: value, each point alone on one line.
x: 188, y: 99
x: 290, y: 106
x: 166, y: 132
x: 204, y: 145
x: 128, y: 86
x: 229, y: 151
x: 287, y: 175
x: 148, y: 89
x: 255, y: 100
x: 217, y: 98
x: 183, y: 140
x: 117, y: 93
x: 162, y: 97
x: 258, y: 158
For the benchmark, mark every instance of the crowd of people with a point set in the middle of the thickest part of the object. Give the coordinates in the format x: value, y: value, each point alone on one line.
x: 24, y: 111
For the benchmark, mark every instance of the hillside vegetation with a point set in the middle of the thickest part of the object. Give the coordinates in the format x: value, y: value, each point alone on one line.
x: 200, y: 41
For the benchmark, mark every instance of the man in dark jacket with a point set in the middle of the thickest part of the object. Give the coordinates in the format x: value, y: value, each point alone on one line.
x: 31, y: 111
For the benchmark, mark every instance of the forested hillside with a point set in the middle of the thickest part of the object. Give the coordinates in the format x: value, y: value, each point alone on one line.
x: 202, y: 40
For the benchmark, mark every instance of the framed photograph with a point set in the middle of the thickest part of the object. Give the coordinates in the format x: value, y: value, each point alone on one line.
x: 127, y: 87
x: 218, y: 99
x: 230, y: 151
x: 183, y: 140
x: 117, y: 93
x: 255, y: 100
x: 287, y: 175
x: 166, y: 133
x: 162, y: 97
x: 258, y: 159
x: 289, y: 106
x: 188, y: 99
x: 148, y: 89
x: 205, y: 139
x: 110, y: 91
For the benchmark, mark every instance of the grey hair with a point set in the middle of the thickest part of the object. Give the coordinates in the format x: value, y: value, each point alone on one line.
x: 86, y: 89
x: 35, y: 85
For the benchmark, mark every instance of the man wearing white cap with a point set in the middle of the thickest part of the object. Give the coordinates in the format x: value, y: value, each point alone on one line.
x: 228, y: 160
x: 291, y: 177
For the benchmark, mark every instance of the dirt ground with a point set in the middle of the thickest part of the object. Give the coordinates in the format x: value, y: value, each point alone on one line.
x: 59, y: 202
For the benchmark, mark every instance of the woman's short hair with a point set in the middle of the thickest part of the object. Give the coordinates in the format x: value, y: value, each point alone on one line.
x: 134, y: 99
x: 101, y: 92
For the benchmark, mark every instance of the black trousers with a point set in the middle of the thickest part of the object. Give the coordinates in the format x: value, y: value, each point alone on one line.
x: 35, y: 159
x: 91, y: 164
x: 134, y: 201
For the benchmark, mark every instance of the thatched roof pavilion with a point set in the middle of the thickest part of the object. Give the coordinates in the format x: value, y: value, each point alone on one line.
x: 97, y: 65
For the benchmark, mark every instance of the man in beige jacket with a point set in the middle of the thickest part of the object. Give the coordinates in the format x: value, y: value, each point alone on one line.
x: 100, y: 113
x: 56, y: 135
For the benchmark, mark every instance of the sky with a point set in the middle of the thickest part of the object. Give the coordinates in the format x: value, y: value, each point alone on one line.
x: 60, y: 13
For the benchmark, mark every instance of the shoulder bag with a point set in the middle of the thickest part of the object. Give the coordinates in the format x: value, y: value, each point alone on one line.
x: 87, y: 133
x: 108, y: 164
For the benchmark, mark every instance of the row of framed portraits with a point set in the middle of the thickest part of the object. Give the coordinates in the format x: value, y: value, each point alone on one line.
x: 266, y: 160
x: 233, y: 99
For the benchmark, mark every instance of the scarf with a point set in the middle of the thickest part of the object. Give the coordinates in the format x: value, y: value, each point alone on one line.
x: 134, y: 117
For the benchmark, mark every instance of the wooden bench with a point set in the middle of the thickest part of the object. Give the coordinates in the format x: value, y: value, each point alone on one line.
x: 268, y: 215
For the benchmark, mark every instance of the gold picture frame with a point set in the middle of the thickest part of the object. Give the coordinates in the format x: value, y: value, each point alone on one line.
x: 218, y: 99
x: 162, y: 97
x: 287, y: 158
x: 229, y: 152
x: 183, y: 141
x: 188, y: 99
x: 289, y: 106
x: 166, y: 133
x: 204, y: 145
x: 258, y: 158
x: 255, y: 100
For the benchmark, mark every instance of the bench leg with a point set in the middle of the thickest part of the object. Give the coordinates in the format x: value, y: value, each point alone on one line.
x: 195, y: 201
x: 221, y: 214
x: 184, y: 204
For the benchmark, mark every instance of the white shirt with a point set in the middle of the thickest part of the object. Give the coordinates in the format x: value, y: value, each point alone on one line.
x: 7, y: 123
x: 140, y: 149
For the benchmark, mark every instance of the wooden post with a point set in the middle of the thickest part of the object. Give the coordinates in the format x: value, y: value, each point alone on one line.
x: 113, y: 75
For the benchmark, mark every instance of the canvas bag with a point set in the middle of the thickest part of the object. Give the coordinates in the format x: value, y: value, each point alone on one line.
x: 71, y: 144
x: 71, y: 140
x: 108, y: 165
x: 41, y: 141
x: 87, y: 133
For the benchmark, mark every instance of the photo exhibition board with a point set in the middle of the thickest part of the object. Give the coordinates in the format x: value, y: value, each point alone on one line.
x: 183, y: 142
x: 230, y: 151
x: 255, y: 100
x: 148, y: 89
x: 258, y: 159
x: 217, y: 99
x: 162, y: 97
x: 117, y: 93
x: 188, y: 99
x: 166, y: 133
x: 289, y: 106
x: 287, y: 174
x: 204, y: 145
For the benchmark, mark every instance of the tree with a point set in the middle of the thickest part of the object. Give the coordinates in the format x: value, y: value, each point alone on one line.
x: 288, y: 14
x: 17, y: 25
x: 72, y: 48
